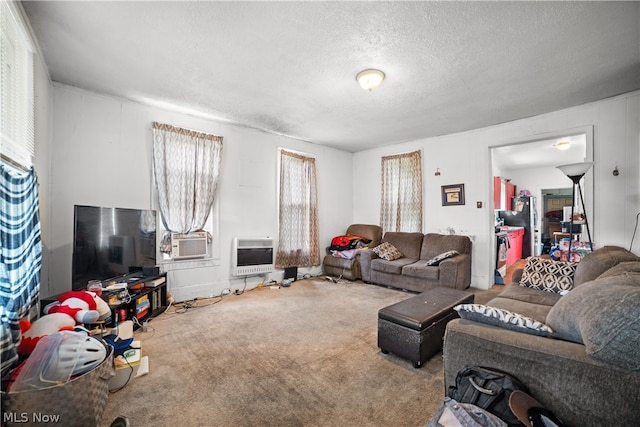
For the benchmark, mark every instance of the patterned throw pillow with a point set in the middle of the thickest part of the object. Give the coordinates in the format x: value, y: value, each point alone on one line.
x: 502, y: 318
x: 387, y: 251
x: 436, y: 260
x: 548, y: 275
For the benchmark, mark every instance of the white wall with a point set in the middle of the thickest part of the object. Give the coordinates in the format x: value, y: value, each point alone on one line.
x: 464, y: 158
x: 42, y: 161
x: 101, y: 155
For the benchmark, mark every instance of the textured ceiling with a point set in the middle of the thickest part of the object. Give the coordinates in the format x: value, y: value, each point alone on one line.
x: 289, y: 67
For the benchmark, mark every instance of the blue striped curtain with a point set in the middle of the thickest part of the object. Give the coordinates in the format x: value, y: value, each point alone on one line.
x: 20, y: 255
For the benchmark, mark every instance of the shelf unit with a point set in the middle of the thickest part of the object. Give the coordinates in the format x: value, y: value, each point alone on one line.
x: 144, y: 303
x: 153, y: 291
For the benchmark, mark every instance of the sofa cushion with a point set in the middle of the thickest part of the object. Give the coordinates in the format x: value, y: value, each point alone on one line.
x: 441, y: 257
x: 370, y: 231
x: 434, y: 244
x: 534, y: 296
x: 406, y: 242
x: 548, y: 275
x: 604, y: 314
x: 392, y: 267
x: 422, y: 270
x: 502, y: 318
x: 628, y: 268
x: 387, y: 251
x: 599, y: 261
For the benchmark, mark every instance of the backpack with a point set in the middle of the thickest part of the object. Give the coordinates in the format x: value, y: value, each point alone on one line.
x: 488, y: 389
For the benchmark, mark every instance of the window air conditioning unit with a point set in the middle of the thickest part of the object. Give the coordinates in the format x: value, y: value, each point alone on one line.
x: 251, y: 255
x: 189, y: 245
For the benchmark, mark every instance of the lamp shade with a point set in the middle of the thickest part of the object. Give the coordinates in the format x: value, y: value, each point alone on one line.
x: 575, y: 171
x: 370, y: 79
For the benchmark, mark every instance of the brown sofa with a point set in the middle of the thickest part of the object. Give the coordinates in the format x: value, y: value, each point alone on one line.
x: 350, y: 268
x: 588, y: 370
x: 411, y: 271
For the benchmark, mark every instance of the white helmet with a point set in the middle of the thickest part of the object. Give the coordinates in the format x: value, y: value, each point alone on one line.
x: 58, y: 357
x: 85, y: 351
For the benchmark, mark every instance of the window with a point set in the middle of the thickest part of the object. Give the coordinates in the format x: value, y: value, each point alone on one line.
x: 401, y: 204
x: 186, y: 167
x: 17, y: 141
x: 298, y: 243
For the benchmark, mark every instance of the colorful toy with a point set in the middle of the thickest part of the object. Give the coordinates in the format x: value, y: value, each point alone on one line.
x: 83, y: 306
x: 71, y: 308
x: 42, y: 327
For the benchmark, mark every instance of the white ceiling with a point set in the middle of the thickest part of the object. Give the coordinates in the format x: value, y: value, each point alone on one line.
x: 539, y: 154
x: 289, y: 67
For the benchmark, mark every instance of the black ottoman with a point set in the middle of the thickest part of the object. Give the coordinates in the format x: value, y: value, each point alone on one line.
x: 413, y: 329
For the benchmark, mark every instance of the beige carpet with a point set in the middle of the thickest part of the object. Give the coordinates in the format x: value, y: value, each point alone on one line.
x: 305, y: 355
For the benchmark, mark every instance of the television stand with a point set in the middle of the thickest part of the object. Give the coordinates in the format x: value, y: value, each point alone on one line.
x: 147, y: 299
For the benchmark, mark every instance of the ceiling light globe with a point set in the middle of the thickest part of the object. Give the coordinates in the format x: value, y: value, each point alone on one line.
x: 370, y: 79
x: 563, y: 145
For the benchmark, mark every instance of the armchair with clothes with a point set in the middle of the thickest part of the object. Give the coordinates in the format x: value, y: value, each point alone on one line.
x: 342, y: 257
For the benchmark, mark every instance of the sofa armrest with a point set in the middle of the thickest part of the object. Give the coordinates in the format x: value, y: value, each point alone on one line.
x: 455, y: 272
x: 577, y: 388
x: 517, y: 275
x: 366, y: 255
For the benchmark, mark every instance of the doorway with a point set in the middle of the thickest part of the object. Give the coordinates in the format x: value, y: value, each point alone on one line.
x: 531, y: 167
x: 554, y: 200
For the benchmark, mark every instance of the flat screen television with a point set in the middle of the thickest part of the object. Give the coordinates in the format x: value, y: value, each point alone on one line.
x: 111, y: 242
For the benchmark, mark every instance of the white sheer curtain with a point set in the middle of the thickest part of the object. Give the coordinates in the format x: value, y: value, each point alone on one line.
x: 401, y: 203
x: 186, y: 167
x: 298, y: 242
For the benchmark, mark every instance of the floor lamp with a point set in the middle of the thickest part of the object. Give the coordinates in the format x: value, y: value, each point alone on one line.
x: 575, y: 172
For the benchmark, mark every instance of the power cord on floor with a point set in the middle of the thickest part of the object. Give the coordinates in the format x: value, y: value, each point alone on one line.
x: 240, y: 292
x: 128, y: 378
x: 634, y: 232
x: 185, y: 306
x: 333, y: 279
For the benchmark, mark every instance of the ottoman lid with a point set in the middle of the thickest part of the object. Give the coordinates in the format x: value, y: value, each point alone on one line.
x: 422, y: 310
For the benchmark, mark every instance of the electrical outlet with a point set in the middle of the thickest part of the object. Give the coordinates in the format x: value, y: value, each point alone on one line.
x: 479, y: 205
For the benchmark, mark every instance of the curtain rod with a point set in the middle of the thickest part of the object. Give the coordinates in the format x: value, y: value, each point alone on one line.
x: 187, y: 132
x: 10, y: 162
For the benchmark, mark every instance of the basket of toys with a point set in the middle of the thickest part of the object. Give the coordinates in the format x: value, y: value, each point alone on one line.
x: 65, y: 381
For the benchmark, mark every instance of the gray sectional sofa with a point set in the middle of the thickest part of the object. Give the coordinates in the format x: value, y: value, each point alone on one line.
x: 411, y: 271
x: 587, y: 371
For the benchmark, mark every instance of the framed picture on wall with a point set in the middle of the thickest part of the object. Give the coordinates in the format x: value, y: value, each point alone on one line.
x: 453, y: 195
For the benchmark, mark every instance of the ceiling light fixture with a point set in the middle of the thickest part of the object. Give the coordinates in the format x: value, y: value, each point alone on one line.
x: 563, y: 145
x: 370, y: 79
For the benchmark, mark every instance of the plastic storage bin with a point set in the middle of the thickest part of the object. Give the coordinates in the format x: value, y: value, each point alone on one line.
x: 126, y: 369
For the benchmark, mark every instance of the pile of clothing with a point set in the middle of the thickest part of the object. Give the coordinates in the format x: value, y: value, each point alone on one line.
x: 347, y: 246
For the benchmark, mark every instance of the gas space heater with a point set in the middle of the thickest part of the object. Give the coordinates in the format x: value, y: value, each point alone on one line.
x: 251, y: 255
